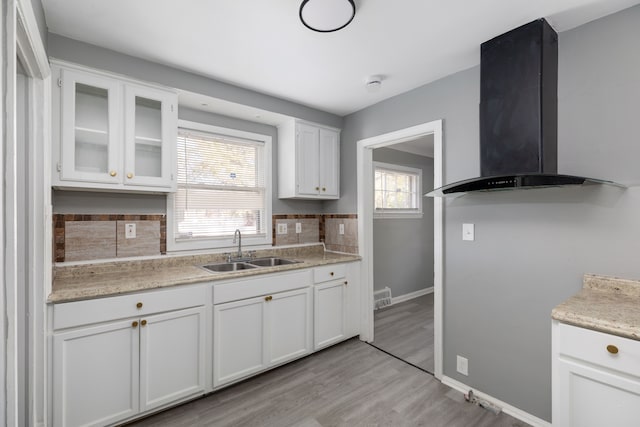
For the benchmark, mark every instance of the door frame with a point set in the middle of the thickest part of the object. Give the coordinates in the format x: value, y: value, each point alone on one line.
x: 364, y: 154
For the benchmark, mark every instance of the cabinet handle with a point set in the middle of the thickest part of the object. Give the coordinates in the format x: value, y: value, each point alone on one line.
x: 346, y: 283
x: 612, y: 349
x: 324, y: 189
x: 139, y: 305
x: 129, y: 175
x: 134, y: 325
x: 331, y: 274
x: 317, y: 188
x: 143, y: 323
x: 113, y: 173
x: 269, y: 298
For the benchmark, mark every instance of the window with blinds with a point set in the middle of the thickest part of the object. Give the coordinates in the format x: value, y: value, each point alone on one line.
x: 397, y: 191
x: 221, y: 188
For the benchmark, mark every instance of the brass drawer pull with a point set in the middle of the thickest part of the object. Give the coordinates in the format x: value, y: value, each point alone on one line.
x: 129, y: 175
x: 324, y: 189
x: 143, y: 323
x: 269, y: 298
x: 317, y: 188
x: 612, y: 349
x: 134, y: 325
x: 113, y: 173
x: 139, y: 305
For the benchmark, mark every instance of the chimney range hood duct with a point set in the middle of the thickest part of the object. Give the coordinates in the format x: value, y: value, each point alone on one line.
x: 518, y: 114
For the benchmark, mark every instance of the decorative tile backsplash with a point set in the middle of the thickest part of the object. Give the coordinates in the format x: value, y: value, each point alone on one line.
x: 87, y: 237
x: 317, y: 228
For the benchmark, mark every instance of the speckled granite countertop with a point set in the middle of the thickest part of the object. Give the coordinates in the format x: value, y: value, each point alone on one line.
x: 94, y: 280
x: 605, y: 304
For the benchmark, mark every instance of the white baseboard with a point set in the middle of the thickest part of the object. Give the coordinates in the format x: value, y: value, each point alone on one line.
x: 506, y: 408
x: 411, y: 295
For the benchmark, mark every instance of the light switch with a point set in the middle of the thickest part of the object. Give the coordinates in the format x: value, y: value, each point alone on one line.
x: 468, y: 232
x: 282, y: 228
x: 298, y: 227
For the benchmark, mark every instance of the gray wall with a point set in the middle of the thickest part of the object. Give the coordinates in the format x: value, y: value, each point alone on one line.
x: 532, y: 247
x: 84, y: 202
x: 403, y: 248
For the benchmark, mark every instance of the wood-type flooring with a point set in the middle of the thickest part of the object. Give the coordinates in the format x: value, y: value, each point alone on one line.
x: 349, y: 384
x: 405, y: 330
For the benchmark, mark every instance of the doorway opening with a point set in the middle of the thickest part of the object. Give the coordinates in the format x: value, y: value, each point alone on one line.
x: 422, y: 285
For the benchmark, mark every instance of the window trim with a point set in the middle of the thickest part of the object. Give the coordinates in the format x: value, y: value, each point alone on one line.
x: 174, y: 245
x: 398, y: 213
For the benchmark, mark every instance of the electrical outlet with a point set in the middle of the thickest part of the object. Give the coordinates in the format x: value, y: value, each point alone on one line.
x: 341, y: 229
x: 468, y: 232
x: 298, y: 227
x: 282, y: 228
x: 462, y: 365
x: 129, y: 231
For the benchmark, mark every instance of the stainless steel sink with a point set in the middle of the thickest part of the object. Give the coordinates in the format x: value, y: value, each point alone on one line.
x: 271, y: 262
x: 229, y: 266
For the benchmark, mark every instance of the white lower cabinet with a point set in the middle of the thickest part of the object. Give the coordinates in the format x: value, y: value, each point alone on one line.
x: 172, y: 357
x: 256, y: 333
x: 95, y: 375
x: 596, y: 378
x: 330, y: 312
x: 110, y: 372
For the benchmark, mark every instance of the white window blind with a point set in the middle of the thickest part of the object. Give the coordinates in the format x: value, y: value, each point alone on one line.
x: 221, y: 187
x: 397, y: 191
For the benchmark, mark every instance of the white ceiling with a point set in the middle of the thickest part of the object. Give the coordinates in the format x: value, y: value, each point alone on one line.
x: 262, y: 45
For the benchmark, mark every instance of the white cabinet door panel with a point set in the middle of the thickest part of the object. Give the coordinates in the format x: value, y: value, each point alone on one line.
x: 308, y: 152
x: 239, y: 340
x: 289, y: 325
x: 329, y: 163
x: 172, y: 357
x: 329, y: 313
x: 95, y: 375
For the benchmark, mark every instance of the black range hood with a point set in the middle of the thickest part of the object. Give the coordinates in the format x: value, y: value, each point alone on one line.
x: 518, y: 114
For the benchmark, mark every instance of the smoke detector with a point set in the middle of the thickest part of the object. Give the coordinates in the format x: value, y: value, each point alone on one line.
x: 373, y: 84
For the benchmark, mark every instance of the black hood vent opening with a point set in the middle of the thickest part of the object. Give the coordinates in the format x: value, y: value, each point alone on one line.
x: 518, y: 114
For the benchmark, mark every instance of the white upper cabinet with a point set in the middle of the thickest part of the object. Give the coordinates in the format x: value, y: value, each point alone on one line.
x: 111, y: 133
x: 308, y: 161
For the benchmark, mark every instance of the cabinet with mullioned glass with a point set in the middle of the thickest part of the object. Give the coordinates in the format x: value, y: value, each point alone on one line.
x: 111, y: 133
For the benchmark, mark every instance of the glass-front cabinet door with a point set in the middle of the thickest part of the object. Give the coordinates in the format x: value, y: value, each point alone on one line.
x: 89, y: 128
x: 150, y: 132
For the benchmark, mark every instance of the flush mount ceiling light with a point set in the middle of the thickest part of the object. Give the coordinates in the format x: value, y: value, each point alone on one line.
x: 325, y: 16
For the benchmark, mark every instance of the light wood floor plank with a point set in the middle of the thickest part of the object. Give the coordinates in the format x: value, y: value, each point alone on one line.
x: 405, y: 330
x: 349, y: 384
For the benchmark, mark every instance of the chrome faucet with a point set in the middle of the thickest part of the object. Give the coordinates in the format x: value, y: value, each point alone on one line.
x: 238, y: 235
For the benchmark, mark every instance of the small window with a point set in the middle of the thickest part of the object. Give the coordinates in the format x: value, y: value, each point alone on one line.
x: 398, y: 191
x: 223, y: 185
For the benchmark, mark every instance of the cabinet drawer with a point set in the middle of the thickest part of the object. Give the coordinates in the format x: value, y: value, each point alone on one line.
x: 329, y: 272
x: 261, y: 285
x: 591, y: 346
x: 70, y: 314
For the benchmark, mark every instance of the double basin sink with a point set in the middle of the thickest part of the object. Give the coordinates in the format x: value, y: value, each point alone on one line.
x: 247, y: 265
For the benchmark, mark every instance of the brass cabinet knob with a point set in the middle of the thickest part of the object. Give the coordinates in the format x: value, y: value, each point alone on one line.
x: 324, y: 188
x: 269, y: 298
x: 129, y: 175
x: 143, y: 323
x: 331, y: 274
x: 134, y: 325
x: 612, y: 349
x: 317, y: 188
x: 139, y: 305
x: 346, y: 283
x: 113, y: 173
